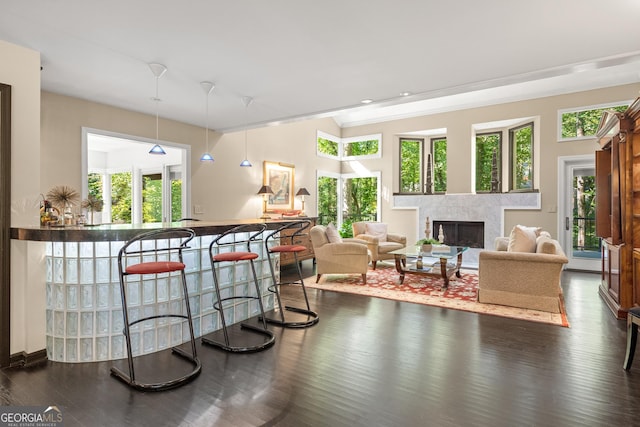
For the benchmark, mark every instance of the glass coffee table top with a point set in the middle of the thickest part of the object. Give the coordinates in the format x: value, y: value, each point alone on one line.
x: 444, y: 261
x: 446, y: 253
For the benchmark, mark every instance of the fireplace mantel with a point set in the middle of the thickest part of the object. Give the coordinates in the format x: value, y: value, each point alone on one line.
x: 488, y: 207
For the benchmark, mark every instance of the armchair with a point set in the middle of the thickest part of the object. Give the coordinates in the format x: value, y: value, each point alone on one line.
x: 342, y: 256
x: 379, y: 241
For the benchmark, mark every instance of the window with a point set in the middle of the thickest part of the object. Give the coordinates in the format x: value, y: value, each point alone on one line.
x: 583, y: 123
x: 521, y: 157
x: 439, y: 154
x: 343, y: 199
x: 328, y: 199
x: 359, y: 147
x: 488, y: 160
x: 135, y: 187
x: 328, y: 145
x: 411, y: 165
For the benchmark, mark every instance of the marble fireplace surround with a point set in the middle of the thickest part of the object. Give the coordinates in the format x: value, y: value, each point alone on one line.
x: 488, y: 208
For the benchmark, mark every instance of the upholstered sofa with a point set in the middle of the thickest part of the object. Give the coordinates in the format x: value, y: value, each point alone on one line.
x: 379, y: 241
x: 522, y: 277
x: 335, y: 255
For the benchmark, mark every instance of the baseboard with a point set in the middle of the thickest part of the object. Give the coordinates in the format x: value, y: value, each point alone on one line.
x: 27, y: 360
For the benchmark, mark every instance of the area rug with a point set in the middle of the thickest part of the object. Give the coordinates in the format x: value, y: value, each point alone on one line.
x: 461, y: 294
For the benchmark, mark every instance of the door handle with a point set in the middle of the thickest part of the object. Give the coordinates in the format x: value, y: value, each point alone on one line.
x: 566, y: 223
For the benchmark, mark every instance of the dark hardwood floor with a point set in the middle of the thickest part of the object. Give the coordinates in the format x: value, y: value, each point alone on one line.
x: 374, y: 362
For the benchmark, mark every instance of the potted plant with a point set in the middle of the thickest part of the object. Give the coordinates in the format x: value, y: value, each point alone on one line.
x: 426, y: 244
x: 92, y: 204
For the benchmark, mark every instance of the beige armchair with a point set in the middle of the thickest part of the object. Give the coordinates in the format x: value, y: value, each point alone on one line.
x: 342, y: 257
x: 379, y: 241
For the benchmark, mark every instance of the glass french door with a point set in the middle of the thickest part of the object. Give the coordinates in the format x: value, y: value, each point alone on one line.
x: 577, y: 218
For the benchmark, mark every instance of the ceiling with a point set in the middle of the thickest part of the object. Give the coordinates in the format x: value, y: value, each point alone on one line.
x: 302, y: 59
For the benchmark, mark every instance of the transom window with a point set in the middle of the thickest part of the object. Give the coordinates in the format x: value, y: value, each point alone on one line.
x: 582, y: 123
x: 358, y: 147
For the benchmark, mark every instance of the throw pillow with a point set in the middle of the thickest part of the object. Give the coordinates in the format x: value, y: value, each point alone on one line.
x: 523, y: 239
x: 377, y: 229
x: 332, y: 234
x: 545, y: 245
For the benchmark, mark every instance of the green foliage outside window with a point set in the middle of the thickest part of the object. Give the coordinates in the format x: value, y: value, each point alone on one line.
x: 486, y: 145
x: 121, y: 197
x: 576, y: 124
x: 327, y: 200
x: 176, y: 199
x: 410, y: 166
x: 95, y: 185
x: 439, y: 150
x: 360, y: 199
x: 584, y: 214
x: 521, y: 140
x: 327, y: 146
x: 152, y: 198
x: 361, y: 148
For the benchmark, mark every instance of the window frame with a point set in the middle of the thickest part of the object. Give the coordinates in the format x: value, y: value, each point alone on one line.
x: 511, y: 169
x: 432, y: 151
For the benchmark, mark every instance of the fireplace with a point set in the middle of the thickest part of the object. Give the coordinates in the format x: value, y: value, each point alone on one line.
x: 461, y: 233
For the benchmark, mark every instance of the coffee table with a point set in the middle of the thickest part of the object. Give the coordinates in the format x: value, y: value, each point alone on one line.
x: 441, y: 262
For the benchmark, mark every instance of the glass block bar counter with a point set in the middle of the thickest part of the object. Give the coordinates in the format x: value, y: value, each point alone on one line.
x: 84, y: 320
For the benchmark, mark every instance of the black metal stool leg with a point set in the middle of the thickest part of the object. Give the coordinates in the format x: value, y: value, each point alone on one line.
x: 632, y: 338
x: 226, y: 342
x: 185, y: 235
x: 312, y: 316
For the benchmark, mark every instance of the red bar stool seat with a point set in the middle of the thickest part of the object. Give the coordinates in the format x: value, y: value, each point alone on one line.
x: 287, y: 235
x: 230, y: 241
x: 133, y: 260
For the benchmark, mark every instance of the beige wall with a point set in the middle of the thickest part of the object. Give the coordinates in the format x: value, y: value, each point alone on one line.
x: 223, y: 190
x: 21, y: 69
x: 459, y: 147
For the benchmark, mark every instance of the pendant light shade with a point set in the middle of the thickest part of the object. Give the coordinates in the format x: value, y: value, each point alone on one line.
x: 208, y: 88
x: 158, y: 70
x: 246, y: 100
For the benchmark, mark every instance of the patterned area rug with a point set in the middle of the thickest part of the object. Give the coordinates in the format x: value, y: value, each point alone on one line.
x: 462, y: 293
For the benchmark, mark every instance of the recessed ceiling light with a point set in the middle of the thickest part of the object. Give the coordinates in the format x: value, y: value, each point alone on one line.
x: 405, y: 93
x: 367, y: 101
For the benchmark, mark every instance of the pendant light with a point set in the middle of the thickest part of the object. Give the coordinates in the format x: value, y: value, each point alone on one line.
x: 208, y: 88
x: 158, y: 70
x: 246, y: 100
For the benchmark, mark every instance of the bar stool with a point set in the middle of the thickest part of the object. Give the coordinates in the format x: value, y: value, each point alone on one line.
x: 156, y: 252
x: 633, y: 320
x: 224, y: 249
x: 288, y: 235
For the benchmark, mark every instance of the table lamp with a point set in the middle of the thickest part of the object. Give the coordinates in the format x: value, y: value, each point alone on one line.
x: 302, y: 192
x: 264, y: 191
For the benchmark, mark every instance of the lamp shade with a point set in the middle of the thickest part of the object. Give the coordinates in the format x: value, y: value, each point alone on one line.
x: 265, y: 189
x: 157, y: 149
x: 206, y: 157
x: 302, y: 192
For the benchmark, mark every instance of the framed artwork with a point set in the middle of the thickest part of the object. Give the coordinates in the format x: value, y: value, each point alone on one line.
x: 279, y: 176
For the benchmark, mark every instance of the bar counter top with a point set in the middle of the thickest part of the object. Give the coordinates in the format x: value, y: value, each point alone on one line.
x: 123, y: 232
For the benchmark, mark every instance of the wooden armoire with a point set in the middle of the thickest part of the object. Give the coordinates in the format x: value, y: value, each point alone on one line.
x: 618, y: 208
